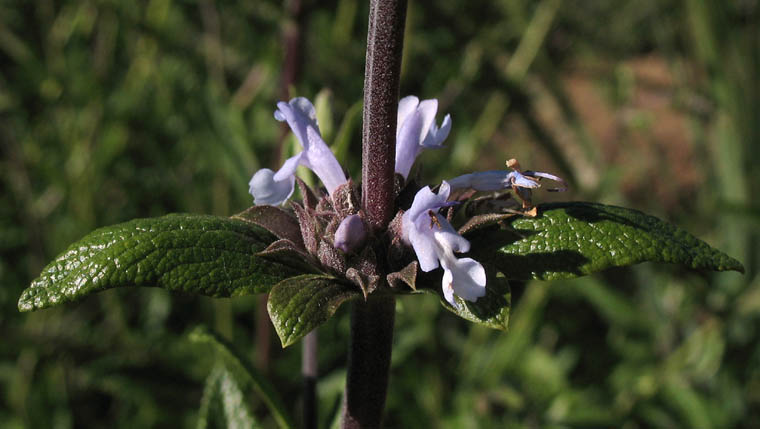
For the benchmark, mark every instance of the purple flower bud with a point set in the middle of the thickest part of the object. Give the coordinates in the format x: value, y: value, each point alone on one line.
x: 350, y: 234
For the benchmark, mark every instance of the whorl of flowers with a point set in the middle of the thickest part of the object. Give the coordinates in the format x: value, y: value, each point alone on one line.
x: 328, y: 233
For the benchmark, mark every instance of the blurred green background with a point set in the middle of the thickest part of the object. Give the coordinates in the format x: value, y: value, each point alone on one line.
x: 111, y: 110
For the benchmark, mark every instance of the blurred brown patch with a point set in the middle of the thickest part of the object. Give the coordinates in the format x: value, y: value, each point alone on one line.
x: 640, y: 130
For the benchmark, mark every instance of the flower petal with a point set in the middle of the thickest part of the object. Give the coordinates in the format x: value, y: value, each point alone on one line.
x: 436, y: 136
x: 408, y: 143
x: 406, y: 106
x: 416, y: 130
x: 425, y: 248
x: 322, y: 161
x: 289, y: 167
x: 302, y: 119
x: 518, y: 179
x: 448, y: 236
x: 550, y: 177
x: 427, y: 110
x: 268, y: 191
x: 424, y: 200
x: 485, y: 181
x: 301, y: 116
x: 466, y: 277
x: 447, y: 287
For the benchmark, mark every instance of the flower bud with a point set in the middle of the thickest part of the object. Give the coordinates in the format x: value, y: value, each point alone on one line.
x: 350, y: 234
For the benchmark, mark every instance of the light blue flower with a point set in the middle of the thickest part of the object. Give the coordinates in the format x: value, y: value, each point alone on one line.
x: 434, y: 241
x: 416, y: 130
x: 497, y: 180
x: 268, y: 187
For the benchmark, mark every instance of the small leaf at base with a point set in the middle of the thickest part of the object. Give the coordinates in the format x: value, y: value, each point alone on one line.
x: 299, y: 304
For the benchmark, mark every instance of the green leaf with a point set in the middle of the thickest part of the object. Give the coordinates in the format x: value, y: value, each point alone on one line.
x: 200, y: 254
x: 299, y: 304
x: 491, y: 310
x: 223, y: 403
x: 279, y: 222
x: 243, y: 373
x: 568, y: 240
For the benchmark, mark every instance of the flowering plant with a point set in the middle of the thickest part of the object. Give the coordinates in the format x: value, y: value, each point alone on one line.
x: 368, y: 242
x: 314, y: 254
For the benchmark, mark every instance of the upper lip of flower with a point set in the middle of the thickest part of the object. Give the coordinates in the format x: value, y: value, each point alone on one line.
x: 417, y: 130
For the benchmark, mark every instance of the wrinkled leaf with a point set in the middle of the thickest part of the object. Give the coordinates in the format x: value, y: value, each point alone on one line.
x: 286, y: 253
x: 200, y: 254
x: 243, y: 373
x: 299, y: 304
x: 223, y: 403
x: 282, y: 224
x: 491, y: 310
x: 569, y: 240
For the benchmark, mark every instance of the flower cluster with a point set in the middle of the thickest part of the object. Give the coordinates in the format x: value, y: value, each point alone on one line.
x: 338, y: 219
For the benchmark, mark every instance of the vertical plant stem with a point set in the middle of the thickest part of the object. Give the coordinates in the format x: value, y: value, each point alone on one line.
x: 381, y: 84
x: 369, y: 354
x: 369, y: 360
x: 309, y: 372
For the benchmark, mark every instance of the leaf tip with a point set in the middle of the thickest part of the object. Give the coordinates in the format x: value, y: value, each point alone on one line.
x: 30, y: 300
x: 736, y: 266
x: 24, y: 306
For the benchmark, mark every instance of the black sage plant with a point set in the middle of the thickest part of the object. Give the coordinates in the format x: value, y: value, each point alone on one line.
x: 370, y: 239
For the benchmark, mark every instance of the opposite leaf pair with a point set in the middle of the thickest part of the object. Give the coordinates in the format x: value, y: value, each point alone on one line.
x: 319, y: 254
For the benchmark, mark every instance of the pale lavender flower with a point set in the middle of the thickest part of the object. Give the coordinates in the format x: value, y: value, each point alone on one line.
x: 434, y: 241
x: 268, y: 187
x: 497, y: 180
x: 416, y: 130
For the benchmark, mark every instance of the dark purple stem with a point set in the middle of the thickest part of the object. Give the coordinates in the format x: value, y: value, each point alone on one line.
x: 372, y: 320
x: 369, y: 361
x: 385, y: 40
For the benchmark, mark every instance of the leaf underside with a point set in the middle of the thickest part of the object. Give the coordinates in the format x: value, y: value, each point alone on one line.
x: 568, y: 240
x: 297, y: 305
x: 207, y: 255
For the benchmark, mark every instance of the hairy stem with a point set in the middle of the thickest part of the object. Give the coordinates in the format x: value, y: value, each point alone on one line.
x: 372, y: 320
x: 369, y: 360
x: 381, y: 85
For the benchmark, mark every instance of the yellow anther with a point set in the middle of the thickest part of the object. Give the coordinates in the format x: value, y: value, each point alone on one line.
x: 513, y: 164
